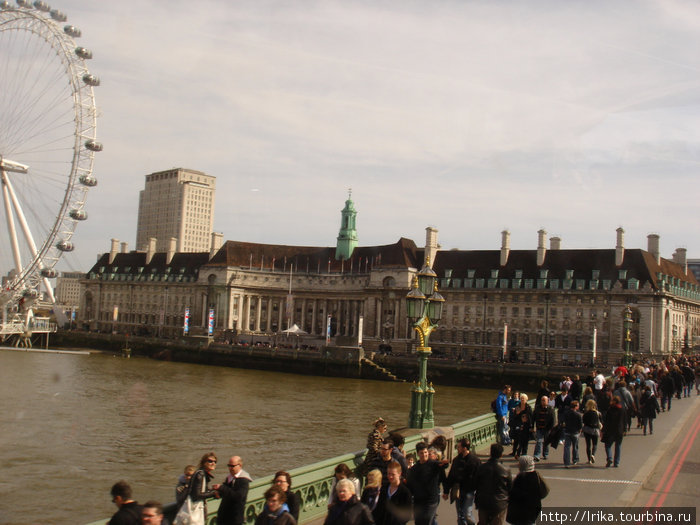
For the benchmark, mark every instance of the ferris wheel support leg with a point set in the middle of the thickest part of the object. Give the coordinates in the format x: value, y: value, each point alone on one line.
x: 49, y: 291
x: 25, y: 229
x: 6, y: 189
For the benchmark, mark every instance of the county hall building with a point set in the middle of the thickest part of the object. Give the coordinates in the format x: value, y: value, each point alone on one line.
x: 547, y: 303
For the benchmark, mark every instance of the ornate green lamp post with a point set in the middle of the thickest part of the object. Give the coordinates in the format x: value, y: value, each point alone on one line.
x: 628, y: 322
x: 424, y: 309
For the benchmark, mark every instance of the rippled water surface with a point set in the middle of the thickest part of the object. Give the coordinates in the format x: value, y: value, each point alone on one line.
x: 72, y: 425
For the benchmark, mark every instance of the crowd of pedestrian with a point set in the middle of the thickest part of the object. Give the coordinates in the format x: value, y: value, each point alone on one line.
x: 397, y: 488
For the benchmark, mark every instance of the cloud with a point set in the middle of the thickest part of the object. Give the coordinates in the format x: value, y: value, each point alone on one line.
x: 543, y: 113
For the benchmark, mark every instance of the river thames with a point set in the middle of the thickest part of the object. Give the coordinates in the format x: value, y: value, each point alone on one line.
x: 72, y: 425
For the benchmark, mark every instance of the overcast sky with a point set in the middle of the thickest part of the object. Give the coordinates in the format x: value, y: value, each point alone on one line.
x: 469, y: 116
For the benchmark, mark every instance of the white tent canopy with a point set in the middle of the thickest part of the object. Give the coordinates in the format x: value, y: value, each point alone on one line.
x: 295, y: 330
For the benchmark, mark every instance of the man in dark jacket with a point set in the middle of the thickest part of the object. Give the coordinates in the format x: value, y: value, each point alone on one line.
x: 493, y: 483
x: 614, y: 431
x: 544, y: 422
x: 129, y: 512
x: 573, y: 424
x: 463, y: 476
x: 424, y: 479
x: 234, y: 494
x: 394, y: 505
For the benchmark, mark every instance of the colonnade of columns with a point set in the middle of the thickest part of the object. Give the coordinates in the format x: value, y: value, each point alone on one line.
x: 250, y: 312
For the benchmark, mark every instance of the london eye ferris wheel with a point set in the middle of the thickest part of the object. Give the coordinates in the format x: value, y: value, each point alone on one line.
x: 47, y: 146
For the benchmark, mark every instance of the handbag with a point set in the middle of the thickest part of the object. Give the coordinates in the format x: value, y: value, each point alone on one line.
x: 591, y: 431
x: 191, y: 513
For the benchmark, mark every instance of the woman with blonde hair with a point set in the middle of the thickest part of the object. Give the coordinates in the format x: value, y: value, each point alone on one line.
x: 370, y: 494
x: 591, y: 429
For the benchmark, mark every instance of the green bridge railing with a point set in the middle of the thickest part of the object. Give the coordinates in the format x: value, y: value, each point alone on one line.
x: 313, y: 482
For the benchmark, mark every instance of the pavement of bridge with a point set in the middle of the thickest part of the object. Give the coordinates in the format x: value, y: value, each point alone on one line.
x: 660, y: 469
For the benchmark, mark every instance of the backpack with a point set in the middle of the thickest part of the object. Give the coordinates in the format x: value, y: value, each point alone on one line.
x: 494, y: 406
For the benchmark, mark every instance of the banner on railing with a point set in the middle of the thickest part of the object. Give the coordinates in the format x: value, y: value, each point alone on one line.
x: 186, y: 326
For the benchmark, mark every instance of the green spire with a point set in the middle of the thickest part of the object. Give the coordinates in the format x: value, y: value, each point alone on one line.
x: 347, y: 237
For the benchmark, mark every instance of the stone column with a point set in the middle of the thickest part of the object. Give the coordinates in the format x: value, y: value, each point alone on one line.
x: 258, y: 312
x: 313, y: 316
x: 246, y: 313
x: 239, y: 324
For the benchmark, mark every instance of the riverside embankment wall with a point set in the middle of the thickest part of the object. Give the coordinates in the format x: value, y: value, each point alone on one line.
x: 336, y: 361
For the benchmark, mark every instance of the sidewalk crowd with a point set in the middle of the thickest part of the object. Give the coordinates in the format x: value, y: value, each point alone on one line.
x: 391, y: 488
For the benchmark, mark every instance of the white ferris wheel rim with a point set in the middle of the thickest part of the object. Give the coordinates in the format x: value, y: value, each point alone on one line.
x: 62, y: 149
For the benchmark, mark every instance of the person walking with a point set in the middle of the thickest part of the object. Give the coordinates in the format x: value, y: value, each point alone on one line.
x: 591, y: 429
x: 493, y: 484
x: 613, y: 431
x: 129, y: 511
x: 424, y: 480
x: 284, y: 481
x: 526, y: 495
x: 648, y: 407
x: 462, y: 477
x: 394, y: 505
x: 347, y: 508
x: 573, y: 424
x: 543, y: 417
x: 275, y: 511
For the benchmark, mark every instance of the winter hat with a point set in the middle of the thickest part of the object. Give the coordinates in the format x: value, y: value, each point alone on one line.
x: 527, y: 464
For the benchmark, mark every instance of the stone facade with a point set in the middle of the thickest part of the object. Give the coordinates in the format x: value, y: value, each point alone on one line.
x: 552, y: 300
x: 176, y: 204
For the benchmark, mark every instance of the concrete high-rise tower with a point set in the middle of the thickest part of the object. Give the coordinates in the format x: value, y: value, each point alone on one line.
x: 179, y: 204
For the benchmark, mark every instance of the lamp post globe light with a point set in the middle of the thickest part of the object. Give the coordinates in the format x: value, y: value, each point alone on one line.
x: 628, y: 322
x: 424, y: 309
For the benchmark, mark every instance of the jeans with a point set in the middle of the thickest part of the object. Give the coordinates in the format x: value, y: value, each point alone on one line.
x: 664, y: 400
x: 540, y: 434
x: 608, y: 451
x: 424, y: 514
x: 570, y: 448
x: 591, y: 445
x: 464, y: 508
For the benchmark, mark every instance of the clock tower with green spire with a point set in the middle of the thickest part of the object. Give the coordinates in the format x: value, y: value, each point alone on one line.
x: 347, y: 237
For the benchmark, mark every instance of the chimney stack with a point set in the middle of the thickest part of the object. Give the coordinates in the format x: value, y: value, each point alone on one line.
x: 113, y: 250
x: 555, y: 243
x: 620, y: 247
x: 171, y: 250
x: 653, y: 246
x: 680, y: 258
x: 505, y: 247
x: 541, y: 249
x: 125, y: 247
x: 151, y: 249
x: 216, y: 240
x: 431, y: 245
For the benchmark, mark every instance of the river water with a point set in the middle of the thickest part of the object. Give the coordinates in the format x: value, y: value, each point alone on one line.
x: 72, y: 425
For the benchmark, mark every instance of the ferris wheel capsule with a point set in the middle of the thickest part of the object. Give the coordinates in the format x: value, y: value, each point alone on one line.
x: 49, y: 273
x: 4, y: 4
x: 83, y: 52
x: 88, y: 180
x: 24, y: 3
x: 72, y: 31
x: 42, y: 6
x: 78, y: 215
x: 65, y: 246
x: 58, y: 16
x: 91, y: 80
x: 93, y: 145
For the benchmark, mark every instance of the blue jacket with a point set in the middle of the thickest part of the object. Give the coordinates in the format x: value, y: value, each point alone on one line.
x: 501, y: 405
